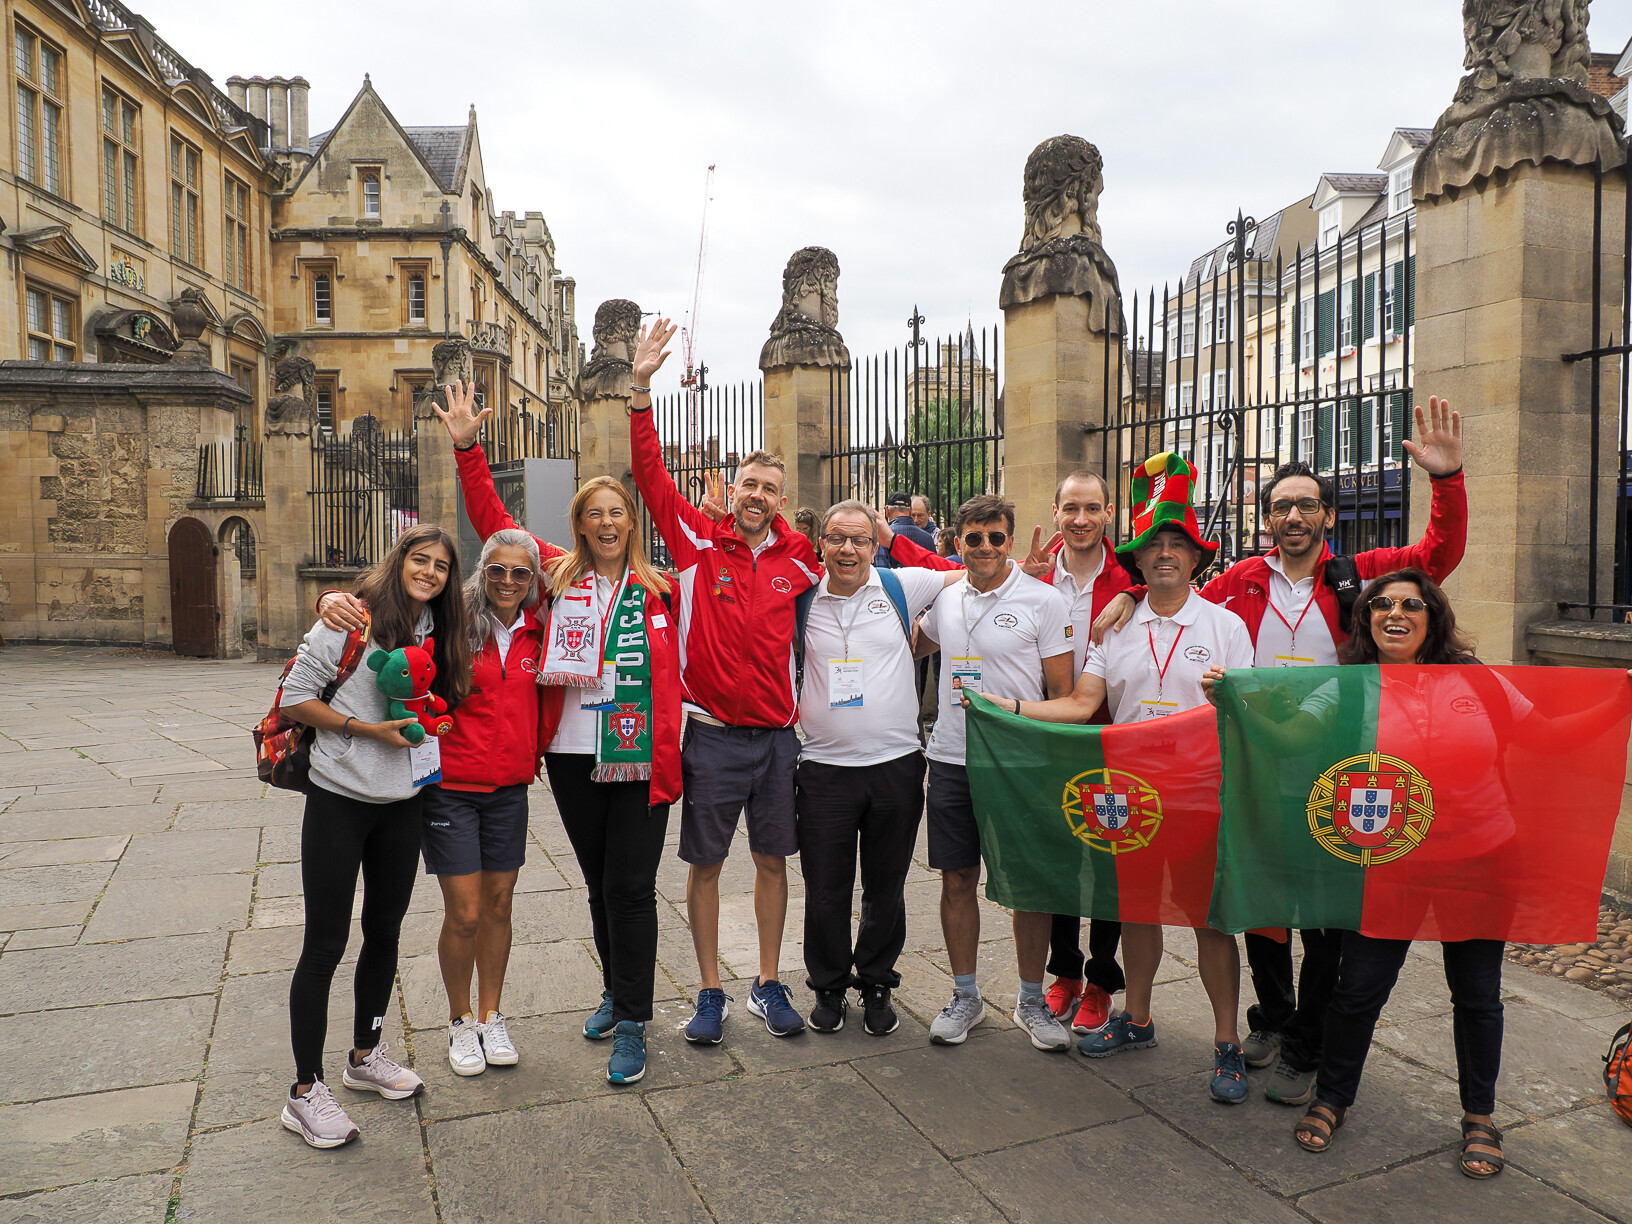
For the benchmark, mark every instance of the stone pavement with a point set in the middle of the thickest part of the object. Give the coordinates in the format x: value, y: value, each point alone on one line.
x: 150, y: 916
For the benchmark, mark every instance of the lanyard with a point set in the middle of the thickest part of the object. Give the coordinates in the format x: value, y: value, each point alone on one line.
x: 855, y: 611
x: 963, y: 607
x: 1161, y: 668
x: 1290, y: 627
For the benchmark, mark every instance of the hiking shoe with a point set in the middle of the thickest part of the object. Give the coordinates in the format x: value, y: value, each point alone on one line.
x: 601, y: 1023
x: 465, y: 1054
x: 1094, y: 1012
x: 497, y: 1047
x: 1041, y: 1025
x: 1063, y: 995
x: 772, y: 1002
x: 628, y: 1061
x: 877, y: 1014
x: 318, y: 1118
x: 1288, y: 1086
x: 828, y: 1014
x: 1261, y: 1047
x: 1229, y: 1074
x: 383, y: 1075
x: 1119, y: 1033
x: 707, y: 1025
x: 952, y: 1026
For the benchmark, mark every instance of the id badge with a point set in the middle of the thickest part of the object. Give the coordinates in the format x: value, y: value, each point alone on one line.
x: 844, y: 684
x: 1292, y: 660
x: 1155, y: 707
x: 601, y: 697
x: 425, y: 761
x: 966, y: 673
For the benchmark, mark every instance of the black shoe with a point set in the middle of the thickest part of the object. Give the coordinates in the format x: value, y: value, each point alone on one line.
x: 877, y: 1016
x: 828, y: 1014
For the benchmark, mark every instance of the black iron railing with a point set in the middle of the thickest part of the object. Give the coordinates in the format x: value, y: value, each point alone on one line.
x: 365, y: 491
x: 705, y: 433
x: 230, y: 471
x: 537, y: 432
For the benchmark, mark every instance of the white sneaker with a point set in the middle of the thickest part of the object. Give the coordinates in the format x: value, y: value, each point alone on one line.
x: 465, y: 1047
x: 952, y: 1026
x: 383, y: 1075
x: 499, y: 1050
x: 1041, y: 1025
x: 318, y: 1118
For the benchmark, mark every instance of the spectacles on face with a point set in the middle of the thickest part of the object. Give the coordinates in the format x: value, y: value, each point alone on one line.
x: 1309, y: 507
x: 1382, y: 605
x: 520, y: 574
x: 974, y: 539
x: 833, y: 543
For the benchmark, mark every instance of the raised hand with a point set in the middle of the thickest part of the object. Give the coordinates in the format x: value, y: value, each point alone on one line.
x: 885, y: 534
x: 1041, y: 560
x: 714, y: 496
x: 1438, y: 448
x: 650, y: 353
x: 463, y: 421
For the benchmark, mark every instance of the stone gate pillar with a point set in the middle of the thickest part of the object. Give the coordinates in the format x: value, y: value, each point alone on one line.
x: 286, y: 543
x: 806, y: 367
x: 438, y: 471
x: 1061, y: 308
x: 603, y: 391
x: 1504, y: 193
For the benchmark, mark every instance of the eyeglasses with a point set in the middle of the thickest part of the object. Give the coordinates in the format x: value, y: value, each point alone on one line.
x: 835, y: 542
x: 1383, y: 605
x: 974, y: 539
x: 1306, y: 506
x: 522, y: 574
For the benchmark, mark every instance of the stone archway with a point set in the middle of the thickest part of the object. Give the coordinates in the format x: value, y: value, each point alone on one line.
x: 242, y: 588
x: 194, y: 604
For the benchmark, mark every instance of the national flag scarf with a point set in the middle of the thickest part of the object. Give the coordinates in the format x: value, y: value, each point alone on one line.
x: 572, y: 640
x: 623, y: 747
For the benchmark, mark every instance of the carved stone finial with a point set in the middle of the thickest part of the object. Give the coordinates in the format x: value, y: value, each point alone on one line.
x: 287, y: 412
x: 191, y: 317
x: 1060, y: 250
x: 450, y: 361
x: 806, y: 329
x: 611, y: 363
x: 1524, y: 99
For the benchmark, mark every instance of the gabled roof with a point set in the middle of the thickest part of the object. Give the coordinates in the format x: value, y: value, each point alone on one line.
x: 55, y: 242
x: 429, y: 145
x: 1356, y: 184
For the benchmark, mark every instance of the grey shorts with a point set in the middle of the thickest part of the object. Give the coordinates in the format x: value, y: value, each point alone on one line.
x: 726, y: 770
x: 954, y: 837
x: 470, y: 831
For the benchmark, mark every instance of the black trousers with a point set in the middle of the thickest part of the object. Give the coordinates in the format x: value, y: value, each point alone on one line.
x: 840, y: 808
x: 1370, y: 967
x: 1065, y: 957
x: 339, y: 837
x: 1300, y: 1018
x: 617, y: 834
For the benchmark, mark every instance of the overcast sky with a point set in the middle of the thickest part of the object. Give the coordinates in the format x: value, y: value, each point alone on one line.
x: 893, y: 133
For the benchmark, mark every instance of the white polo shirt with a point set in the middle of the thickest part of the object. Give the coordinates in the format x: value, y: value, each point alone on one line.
x: 998, y: 641
x: 878, y: 718
x: 1154, y: 666
x: 1080, y: 600
x: 1294, y: 632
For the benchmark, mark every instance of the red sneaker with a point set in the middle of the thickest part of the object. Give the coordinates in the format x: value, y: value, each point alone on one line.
x: 1062, y: 996
x: 1094, y: 1012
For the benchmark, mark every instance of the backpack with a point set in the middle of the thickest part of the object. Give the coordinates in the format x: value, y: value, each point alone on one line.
x: 283, y: 747
x: 1343, y: 576
x: 1618, y: 1073
x: 801, y: 611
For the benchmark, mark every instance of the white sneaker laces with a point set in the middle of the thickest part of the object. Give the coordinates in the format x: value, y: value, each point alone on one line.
x: 466, y: 1041
x: 496, y: 1031
x: 323, y: 1105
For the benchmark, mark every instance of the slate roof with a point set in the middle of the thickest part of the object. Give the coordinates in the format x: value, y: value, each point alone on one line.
x: 1357, y: 182
x: 1260, y: 241
x: 440, y: 147
x: 1417, y: 138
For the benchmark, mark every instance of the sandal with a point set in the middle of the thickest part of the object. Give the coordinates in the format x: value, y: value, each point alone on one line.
x: 1314, y: 1132
x: 1480, y: 1134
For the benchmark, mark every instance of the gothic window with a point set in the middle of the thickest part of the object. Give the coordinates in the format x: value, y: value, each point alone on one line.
x: 326, y: 386
x: 121, y: 160
x: 41, y: 86
x: 186, y: 242
x: 371, y: 193
x: 236, y: 239
x: 322, y: 298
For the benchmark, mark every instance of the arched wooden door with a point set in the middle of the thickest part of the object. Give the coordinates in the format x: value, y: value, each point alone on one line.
x: 193, y: 612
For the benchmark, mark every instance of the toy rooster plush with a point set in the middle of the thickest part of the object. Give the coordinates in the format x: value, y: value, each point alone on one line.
x: 404, y: 675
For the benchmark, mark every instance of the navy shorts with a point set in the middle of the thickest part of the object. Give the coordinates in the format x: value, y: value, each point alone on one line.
x: 726, y: 770
x: 954, y: 837
x: 471, y: 831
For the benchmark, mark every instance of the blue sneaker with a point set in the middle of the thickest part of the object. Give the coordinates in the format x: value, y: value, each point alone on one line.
x: 772, y: 1002
x: 628, y: 1061
x: 601, y: 1023
x: 1120, y: 1033
x: 1229, y: 1073
x: 707, y: 1026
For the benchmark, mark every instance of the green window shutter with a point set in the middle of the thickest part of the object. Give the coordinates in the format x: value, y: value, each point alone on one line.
x: 1297, y: 335
x: 1409, y: 291
x: 1324, y: 421
x: 1370, y: 315
x: 1396, y: 273
x: 1366, y: 423
x: 1325, y: 322
x: 1396, y: 412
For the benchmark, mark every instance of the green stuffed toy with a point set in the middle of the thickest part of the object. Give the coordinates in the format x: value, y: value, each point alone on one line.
x: 404, y: 675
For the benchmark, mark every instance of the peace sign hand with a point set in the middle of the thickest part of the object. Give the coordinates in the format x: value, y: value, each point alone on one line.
x: 463, y: 421
x: 1438, y: 448
x: 650, y: 353
x: 1041, y: 560
x: 714, y: 496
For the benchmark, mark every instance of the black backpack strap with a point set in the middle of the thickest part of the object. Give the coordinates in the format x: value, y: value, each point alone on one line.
x: 1343, y: 576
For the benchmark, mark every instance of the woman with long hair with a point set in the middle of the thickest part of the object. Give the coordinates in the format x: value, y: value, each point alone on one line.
x: 363, y: 814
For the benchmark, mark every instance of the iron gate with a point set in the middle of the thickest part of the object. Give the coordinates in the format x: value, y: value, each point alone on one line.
x: 365, y: 492
x: 705, y: 432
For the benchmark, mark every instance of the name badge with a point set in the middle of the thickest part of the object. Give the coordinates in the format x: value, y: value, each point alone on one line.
x: 425, y: 761
x: 966, y: 673
x: 1292, y: 661
x: 844, y: 684
x: 1155, y: 707
x: 601, y: 697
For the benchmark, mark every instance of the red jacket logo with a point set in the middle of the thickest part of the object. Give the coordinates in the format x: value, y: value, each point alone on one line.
x: 781, y: 584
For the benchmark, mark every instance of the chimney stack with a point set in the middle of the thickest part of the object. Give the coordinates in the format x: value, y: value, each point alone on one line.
x: 300, y: 136
x: 277, y: 101
x: 237, y: 90
x: 257, y: 98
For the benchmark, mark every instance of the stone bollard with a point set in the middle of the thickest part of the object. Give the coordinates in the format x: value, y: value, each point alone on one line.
x: 603, y: 392
x: 286, y: 476
x: 806, y: 367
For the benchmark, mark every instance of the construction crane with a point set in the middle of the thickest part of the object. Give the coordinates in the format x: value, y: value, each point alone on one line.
x: 695, y: 379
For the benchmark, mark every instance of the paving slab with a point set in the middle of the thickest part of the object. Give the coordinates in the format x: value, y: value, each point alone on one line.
x: 1184, y: 1039
x: 119, y: 1045
x: 541, y: 978
x: 280, y: 844
x: 266, y: 949
x: 1434, y: 1189
x: 1583, y: 1153
x: 275, y: 879
x: 137, y: 909
x: 183, y: 854
x: 1566, y: 998
x: 19, y: 825
x: 111, y: 973
x: 95, y: 789
x: 46, y: 885
x: 127, y: 1200
x: 231, y: 785
x: 587, y: 1161
x: 286, y: 911
x: 65, y: 850
x: 752, y: 1045
x: 36, y: 917
x: 45, y: 937
x: 241, y: 811
x: 108, y: 1134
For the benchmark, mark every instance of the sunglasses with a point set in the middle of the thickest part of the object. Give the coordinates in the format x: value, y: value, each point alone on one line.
x: 974, y: 539
x: 1383, y: 605
x: 522, y: 574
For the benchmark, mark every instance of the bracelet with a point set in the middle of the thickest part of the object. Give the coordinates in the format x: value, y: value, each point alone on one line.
x: 350, y: 718
x: 463, y: 449
x: 1017, y: 705
x: 640, y: 390
x: 1445, y: 475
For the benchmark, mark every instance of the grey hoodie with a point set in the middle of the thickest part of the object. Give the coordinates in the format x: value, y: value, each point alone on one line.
x: 350, y: 765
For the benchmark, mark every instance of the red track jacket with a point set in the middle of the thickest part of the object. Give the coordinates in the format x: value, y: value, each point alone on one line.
x: 494, y: 741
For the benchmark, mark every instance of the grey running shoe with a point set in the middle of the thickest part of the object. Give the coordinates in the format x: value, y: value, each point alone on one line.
x: 1041, y: 1025
x: 383, y: 1075
x: 318, y: 1118
x: 1260, y: 1047
x: 952, y: 1026
x: 496, y: 1043
x: 1289, y: 1087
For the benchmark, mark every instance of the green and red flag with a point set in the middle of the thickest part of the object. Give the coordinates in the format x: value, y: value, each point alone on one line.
x: 1115, y: 822
x: 1442, y: 803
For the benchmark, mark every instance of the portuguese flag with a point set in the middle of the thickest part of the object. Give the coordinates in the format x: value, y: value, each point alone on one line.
x: 1106, y: 822
x: 1441, y: 803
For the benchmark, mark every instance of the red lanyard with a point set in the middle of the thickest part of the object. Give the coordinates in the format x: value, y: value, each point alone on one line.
x: 1161, y: 668
x: 1290, y: 627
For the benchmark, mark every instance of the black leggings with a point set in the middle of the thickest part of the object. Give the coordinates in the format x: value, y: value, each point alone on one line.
x: 617, y: 835
x: 338, y: 836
